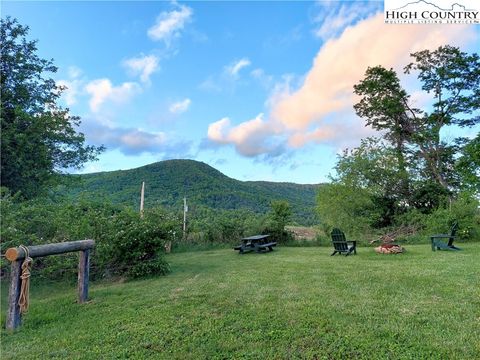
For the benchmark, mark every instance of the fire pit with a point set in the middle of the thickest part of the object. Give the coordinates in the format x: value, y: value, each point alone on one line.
x: 389, y: 249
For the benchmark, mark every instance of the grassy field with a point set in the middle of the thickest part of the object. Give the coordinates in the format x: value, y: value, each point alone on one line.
x: 291, y: 303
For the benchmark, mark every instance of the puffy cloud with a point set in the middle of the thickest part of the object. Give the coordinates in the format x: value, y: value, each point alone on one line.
x: 138, y: 140
x: 133, y: 141
x: 346, y: 133
x: 143, y: 66
x: 99, y: 90
x: 320, y: 110
x: 71, y: 90
x: 234, y: 68
x: 342, y: 62
x: 180, y: 106
x: 72, y: 86
x: 250, y: 138
x: 170, y: 23
x: 216, y: 130
x: 102, y: 90
x: 129, y: 141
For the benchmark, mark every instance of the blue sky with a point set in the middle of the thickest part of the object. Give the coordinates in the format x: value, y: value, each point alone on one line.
x: 259, y: 90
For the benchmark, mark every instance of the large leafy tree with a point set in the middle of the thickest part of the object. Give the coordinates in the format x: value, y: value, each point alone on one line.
x: 385, y: 106
x: 452, y: 77
x: 39, y: 138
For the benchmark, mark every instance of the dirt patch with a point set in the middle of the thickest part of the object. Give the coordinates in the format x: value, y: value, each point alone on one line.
x: 302, y: 232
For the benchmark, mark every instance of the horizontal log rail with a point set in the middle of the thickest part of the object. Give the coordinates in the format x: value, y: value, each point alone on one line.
x: 17, y: 256
x: 17, y: 253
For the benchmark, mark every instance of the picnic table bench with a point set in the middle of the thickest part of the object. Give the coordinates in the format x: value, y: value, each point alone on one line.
x: 257, y: 243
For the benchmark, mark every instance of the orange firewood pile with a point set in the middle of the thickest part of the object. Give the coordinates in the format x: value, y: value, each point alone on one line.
x: 389, y: 249
x: 387, y: 240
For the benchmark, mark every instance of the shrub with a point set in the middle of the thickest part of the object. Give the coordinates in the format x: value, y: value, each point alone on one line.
x: 278, y: 217
x: 126, y: 244
x: 136, y: 245
x: 465, y: 210
x: 350, y: 209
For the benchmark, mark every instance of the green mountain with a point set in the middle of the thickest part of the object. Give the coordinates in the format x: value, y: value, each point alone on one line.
x: 167, y: 182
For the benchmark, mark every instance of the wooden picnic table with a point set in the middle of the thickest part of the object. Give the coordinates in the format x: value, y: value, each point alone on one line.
x: 257, y: 243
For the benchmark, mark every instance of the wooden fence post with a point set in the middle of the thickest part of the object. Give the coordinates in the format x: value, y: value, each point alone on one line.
x: 83, y: 273
x: 17, y: 256
x: 14, y: 318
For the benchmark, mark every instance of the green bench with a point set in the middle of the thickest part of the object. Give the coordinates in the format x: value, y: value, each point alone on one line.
x: 439, y: 240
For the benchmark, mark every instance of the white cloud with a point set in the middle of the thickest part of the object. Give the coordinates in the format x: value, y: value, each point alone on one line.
x: 216, y: 130
x: 180, y: 106
x: 143, y: 66
x: 102, y: 90
x: 250, y: 138
x: 70, y: 92
x: 342, y: 62
x: 228, y: 78
x: 72, y: 86
x: 138, y: 139
x: 234, y: 68
x: 130, y: 141
x: 133, y: 141
x: 169, y: 23
x: 320, y: 110
x: 339, y: 134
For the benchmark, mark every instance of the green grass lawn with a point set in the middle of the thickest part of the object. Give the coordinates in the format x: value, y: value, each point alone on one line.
x: 291, y: 303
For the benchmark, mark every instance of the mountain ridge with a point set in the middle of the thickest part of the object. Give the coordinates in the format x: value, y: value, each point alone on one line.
x: 167, y: 182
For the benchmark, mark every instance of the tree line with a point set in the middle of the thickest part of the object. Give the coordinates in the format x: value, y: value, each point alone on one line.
x: 415, y: 165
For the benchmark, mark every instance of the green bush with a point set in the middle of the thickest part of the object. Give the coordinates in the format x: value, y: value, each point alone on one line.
x: 278, y: 217
x: 350, y: 209
x: 465, y: 210
x: 135, y: 246
x: 126, y: 245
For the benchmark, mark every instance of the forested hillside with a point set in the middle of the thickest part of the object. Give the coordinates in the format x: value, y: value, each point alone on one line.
x: 167, y: 182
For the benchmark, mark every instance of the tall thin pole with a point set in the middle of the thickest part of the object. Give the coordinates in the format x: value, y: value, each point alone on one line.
x: 142, y: 196
x: 185, y: 209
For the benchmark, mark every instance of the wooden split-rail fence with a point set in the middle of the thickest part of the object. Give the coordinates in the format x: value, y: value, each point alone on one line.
x: 17, y: 256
